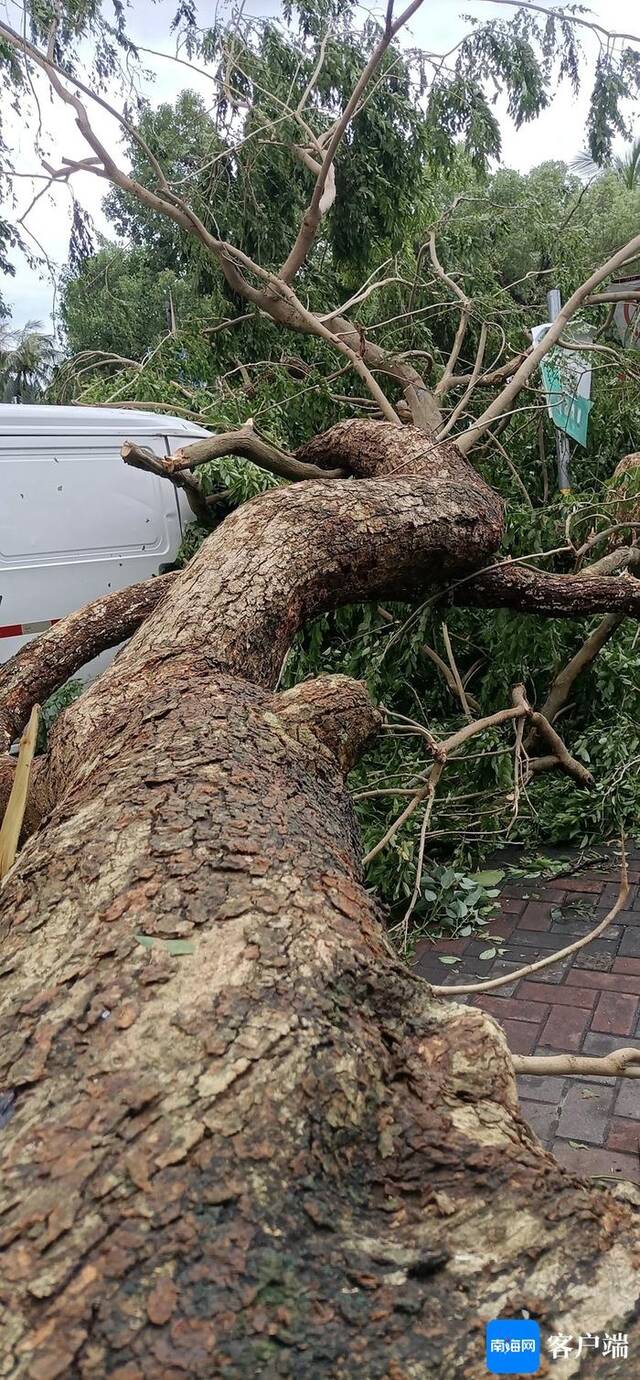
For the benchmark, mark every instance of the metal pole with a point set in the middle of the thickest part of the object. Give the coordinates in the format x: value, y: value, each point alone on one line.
x: 554, y: 302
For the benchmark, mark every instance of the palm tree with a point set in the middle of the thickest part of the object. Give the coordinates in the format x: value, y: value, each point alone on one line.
x: 27, y: 356
x: 626, y: 166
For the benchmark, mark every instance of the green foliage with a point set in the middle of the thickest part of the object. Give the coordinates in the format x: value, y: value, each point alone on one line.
x: 53, y: 707
x: 27, y: 358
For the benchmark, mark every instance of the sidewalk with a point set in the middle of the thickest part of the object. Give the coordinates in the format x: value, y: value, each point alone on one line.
x: 587, y: 1004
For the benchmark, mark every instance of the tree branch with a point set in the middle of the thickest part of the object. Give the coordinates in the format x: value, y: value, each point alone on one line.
x: 141, y: 458
x: 247, y: 442
x: 565, y: 679
x: 316, y: 208
x: 49, y: 660
x: 620, y: 1063
x: 507, y: 396
x: 511, y: 586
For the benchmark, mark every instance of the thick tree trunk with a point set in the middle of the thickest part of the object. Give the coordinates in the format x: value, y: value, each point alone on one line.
x: 240, y: 1138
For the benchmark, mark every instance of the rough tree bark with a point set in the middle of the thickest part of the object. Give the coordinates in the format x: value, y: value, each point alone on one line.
x: 266, y: 1150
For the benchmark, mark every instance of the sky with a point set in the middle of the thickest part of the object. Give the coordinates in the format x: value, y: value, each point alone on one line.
x: 557, y: 134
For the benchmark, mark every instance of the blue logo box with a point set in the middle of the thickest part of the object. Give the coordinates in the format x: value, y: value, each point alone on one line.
x: 513, y: 1346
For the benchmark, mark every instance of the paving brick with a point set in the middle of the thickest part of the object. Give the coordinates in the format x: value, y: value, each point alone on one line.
x: 585, y: 1113
x: 565, y: 1027
x: 611, y: 892
x: 562, y: 996
x: 624, y: 1134
x: 517, y: 1010
x: 502, y: 925
x: 605, y: 982
x: 535, y: 939
x: 537, y: 915
x: 447, y: 977
x: 534, y: 1089
x: 628, y: 1099
x: 616, y: 1013
x: 630, y: 943
x: 597, y: 1043
x: 627, y: 965
x: 576, y: 929
x: 594, y: 962
x: 581, y: 884
x: 513, y: 905
x: 597, y: 1161
x: 628, y: 917
x: 521, y: 1036
x: 542, y: 1119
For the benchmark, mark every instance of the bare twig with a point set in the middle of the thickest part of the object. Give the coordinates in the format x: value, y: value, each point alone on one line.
x: 455, y: 673
x: 445, y: 750
x: 473, y: 379
x: 549, y: 959
x: 620, y: 1063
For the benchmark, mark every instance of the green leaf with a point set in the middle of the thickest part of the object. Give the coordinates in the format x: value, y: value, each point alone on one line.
x: 488, y: 878
x: 487, y: 954
x: 447, y: 958
x: 171, y: 946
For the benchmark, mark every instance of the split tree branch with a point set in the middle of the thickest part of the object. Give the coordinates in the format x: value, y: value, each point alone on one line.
x: 17, y: 804
x: 141, y: 458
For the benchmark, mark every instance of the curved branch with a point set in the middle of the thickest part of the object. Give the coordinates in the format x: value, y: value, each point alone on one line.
x: 49, y: 660
x: 549, y: 959
x: 247, y: 442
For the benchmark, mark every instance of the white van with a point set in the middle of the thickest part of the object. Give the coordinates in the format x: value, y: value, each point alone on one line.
x: 75, y: 521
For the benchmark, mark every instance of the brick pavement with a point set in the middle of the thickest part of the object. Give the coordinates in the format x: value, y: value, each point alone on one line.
x: 589, y: 1003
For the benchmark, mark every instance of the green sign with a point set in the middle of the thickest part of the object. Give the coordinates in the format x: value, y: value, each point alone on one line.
x: 566, y: 376
x: 569, y: 411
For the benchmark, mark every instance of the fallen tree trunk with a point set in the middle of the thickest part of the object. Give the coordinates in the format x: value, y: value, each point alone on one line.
x: 241, y: 1138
